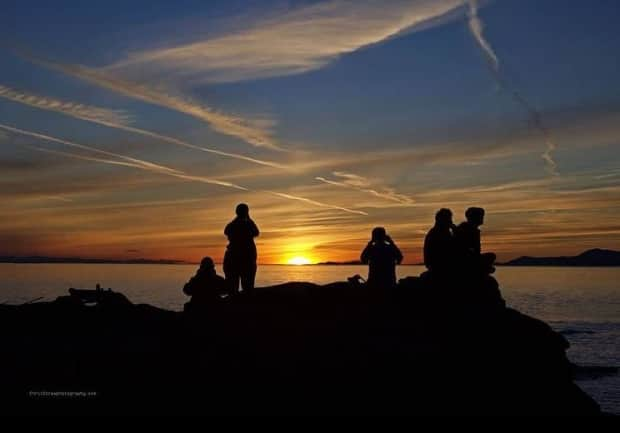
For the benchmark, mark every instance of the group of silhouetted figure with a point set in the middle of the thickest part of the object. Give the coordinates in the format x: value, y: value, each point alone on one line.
x: 239, y: 263
x: 450, y: 252
x: 449, y: 248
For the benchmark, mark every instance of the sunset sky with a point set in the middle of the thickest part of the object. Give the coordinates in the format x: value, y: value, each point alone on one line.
x: 132, y: 129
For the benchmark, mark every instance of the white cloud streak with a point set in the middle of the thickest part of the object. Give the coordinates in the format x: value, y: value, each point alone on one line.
x: 83, y: 157
x: 156, y: 168
x: 293, y: 42
x: 476, y: 27
x: 59, y: 198
x: 115, y: 119
x: 362, y: 184
x: 138, y: 162
x: 73, y: 109
x: 315, y: 203
x: 125, y: 160
x: 254, y: 132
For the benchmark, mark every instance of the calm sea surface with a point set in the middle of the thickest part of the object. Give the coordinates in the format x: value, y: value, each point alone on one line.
x: 584, y: 303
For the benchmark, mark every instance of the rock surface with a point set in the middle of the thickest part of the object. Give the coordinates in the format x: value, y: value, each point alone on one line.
x: 296, y: 348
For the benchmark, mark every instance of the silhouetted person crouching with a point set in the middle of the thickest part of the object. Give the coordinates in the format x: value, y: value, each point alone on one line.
x: 439, y: 246
x: 240, y: 257
x: 467, y: 237
x: 205, y: 287
x: 382, y: 255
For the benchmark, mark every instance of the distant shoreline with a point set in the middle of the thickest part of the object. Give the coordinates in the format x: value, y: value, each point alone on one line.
x: 310, y: 265
x: 87, y: 261
x: 552, y: 265
x: 594, y: 258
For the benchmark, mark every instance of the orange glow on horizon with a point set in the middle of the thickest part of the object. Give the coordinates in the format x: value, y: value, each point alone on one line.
x: 298, y: 261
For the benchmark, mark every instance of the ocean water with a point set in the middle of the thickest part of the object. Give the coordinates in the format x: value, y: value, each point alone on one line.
x: 582, y: 303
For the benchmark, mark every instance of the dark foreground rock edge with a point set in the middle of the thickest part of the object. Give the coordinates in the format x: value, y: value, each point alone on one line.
x: 296, y: 348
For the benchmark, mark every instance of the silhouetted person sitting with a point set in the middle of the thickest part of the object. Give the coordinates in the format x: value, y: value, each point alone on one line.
x: 240, y: 257
x: 382, y: 255
x: 205, y: 287
x: 439, y: 248
x: 467, y: 237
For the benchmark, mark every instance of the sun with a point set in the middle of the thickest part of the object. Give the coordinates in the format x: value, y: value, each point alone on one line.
x: 298, y: 260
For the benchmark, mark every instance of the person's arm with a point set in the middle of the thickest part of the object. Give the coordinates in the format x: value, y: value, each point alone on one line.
x: 227, y: 230
x: 427, y: 251
x: 398, y: 254
x: 365, y: 257
x: 254, y: 228
x: 189, y: 287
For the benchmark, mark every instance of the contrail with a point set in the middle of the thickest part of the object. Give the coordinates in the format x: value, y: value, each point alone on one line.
x: 387, y: 195
x: 82, y: 157
x: 145, y: 164
x: 221, y: 122
x: 315, y: 203
x: 156, y: 168
x: 285, y: 41
x: 179, y: 142
x: 126, y: 160
x: 73, y: 109
x: 116, y: 120
x: 476, y: 27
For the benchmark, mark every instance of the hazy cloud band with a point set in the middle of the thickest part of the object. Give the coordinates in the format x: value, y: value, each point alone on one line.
x: 160, y: 169
x: 74, y: 109
x: 290, y: 42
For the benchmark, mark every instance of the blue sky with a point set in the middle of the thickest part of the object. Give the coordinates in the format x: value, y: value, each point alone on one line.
x: 328, y: 117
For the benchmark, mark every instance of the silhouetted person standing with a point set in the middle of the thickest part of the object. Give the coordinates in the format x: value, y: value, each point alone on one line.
x: 439, y: 247
x: 382, y: 255
x: 205, y: 287
x: 240, y: 257
x: 467, y: 236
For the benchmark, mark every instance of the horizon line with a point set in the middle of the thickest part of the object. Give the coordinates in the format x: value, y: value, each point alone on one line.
x: 38, y: 259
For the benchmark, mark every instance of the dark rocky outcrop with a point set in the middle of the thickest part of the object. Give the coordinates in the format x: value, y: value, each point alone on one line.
x: 293, y: 348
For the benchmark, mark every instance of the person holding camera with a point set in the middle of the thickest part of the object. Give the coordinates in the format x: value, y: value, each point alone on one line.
x: 381, y: 255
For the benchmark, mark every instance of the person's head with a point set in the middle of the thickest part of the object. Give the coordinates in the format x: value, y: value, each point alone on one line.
x: 475, y: 216
x: 207, y: 265
x: 379, y: 234
x: 443, y: 218
x: 242, y: 210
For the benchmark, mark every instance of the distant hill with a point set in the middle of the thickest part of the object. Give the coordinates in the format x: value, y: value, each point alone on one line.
x: 594, y: 257
x: 43, y: 259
